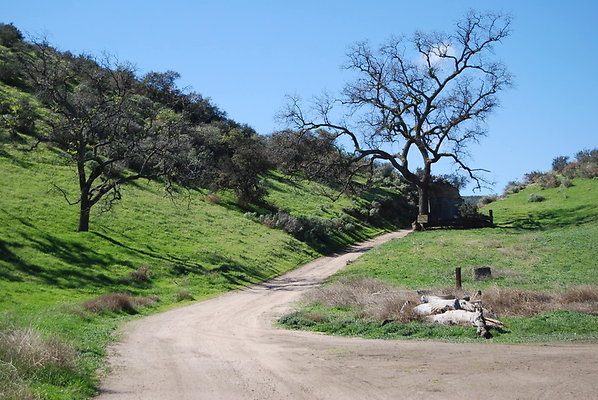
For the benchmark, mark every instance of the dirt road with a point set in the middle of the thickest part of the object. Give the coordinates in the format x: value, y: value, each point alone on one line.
x: 226, y: 348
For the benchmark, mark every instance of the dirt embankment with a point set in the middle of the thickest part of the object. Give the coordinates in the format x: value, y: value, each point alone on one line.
x: 227, y: 348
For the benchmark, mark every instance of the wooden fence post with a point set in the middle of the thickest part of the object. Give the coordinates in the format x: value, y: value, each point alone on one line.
x: 458, y: 277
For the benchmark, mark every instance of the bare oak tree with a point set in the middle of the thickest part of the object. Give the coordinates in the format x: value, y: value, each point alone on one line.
x: 428, y: 95
x: 111, y: 133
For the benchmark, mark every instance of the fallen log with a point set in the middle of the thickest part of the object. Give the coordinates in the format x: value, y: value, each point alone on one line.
x: 457, y: 312
x: 437, y: 305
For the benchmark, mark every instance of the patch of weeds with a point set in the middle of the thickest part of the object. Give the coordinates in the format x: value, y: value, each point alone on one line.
x: 12, y: 385
x: 184, y: 295
x: 535, y: 198
x: 213, y: 198
x: 141, y: 274
x: 26, y: 356
x: 118, y: 302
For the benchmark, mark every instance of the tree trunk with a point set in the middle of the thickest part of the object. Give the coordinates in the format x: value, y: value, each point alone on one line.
x: 84, y: 212
x: 424, y: 198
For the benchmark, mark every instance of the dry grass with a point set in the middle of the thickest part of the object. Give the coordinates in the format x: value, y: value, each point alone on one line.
x: 213, y: 198
x: 184, y: 295
x: 376, y: 300
x: 12, y: 386
x: 118, y: 302
x: 522, y: 303
x: 24, y: 354
x: 582, y: 298
x: 348, y: 292
x: 393, y: 306
x: 373, y: 299
x: 141, y: 274
x: 516, y: 302
x: 27, y: 352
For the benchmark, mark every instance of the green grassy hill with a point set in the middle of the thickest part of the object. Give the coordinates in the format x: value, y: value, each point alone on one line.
x: 541, y: 252
x: 563, y: 206
x: 543, y: 245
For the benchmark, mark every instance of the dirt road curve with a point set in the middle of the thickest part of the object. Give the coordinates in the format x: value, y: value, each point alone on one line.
x: 226, y: 348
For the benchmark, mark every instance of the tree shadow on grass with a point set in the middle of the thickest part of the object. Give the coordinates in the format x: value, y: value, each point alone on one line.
x: 15, y: 160
x: 166, y: 258
x: 235, y: 273
x: 78, y: 266
x: 54, y: 260
x: 550, y: 219
x: 238, y: 274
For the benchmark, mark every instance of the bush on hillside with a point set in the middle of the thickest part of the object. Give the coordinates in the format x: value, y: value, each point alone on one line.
x: 184, y: 295
x: 9, y: 35
x: 487, y: 200
x: 141, y: 274
x: 307, y: 229
x: 513, y: 187
x: 547, y: 180
x: 118, y: 302
x: 585, y: 165
x: 532, y: 177
x: 559, y: 163
x: 566, y: 182
x: 535, y: 198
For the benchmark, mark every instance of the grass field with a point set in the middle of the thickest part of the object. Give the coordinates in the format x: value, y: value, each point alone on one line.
x: 545, y: 247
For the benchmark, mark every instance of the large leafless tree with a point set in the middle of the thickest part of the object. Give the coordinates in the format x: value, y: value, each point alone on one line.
x: 425, y: 96
x: 111, y: 133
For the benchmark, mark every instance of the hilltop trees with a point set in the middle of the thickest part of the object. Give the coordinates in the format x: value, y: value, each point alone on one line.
x: 426, y: 96
x: 313, y: 155
x: 116, y: 128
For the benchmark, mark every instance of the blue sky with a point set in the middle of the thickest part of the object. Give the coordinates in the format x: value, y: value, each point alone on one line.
x: 247, y: 55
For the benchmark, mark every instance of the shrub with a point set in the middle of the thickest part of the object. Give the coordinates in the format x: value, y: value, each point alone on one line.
x: 589, y: 170
x: 303, y: 228
x: 213, y: 198
x: 30, y: 355
x: 184, y: 295
x: 141, y: 274
x: 548, y: 180
x: 566, y: 182
x: 118, y: 302
x: 532, y: 177
x: 559, y: 163
x: 535, y: 198
x: 487, y: 200
x: 252, y: 216
x: 513, y: 187
x: 9, y: 35
x: 571, y: 170
x: 587, y: 156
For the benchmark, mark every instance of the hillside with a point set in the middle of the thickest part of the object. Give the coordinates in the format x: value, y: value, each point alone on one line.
x: 207, y: 238
x: 544, y: 278
x: 153, y: 244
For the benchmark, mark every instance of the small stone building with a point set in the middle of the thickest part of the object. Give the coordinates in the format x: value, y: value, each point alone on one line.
x: 445, y: 201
